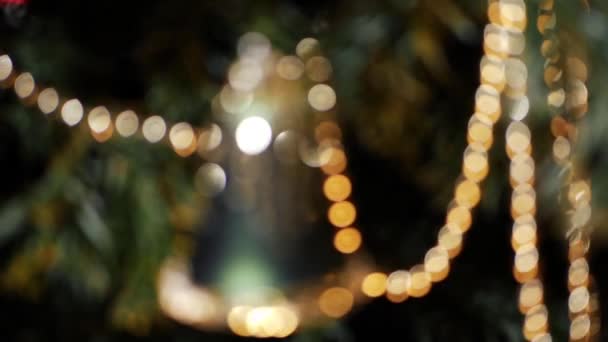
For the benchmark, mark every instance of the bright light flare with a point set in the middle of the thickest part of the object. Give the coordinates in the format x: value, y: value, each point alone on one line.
x: 253, y: 135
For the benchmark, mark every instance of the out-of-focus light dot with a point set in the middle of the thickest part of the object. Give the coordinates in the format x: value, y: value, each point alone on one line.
x: 544, y: 337
x: 210, y: 179
x: 487, y: 100
x: 523, y: 200
x: 337, y: 188
x: 516, y: 41
x: 524, y: 231
x: 516, y: 73
x: 154, y: 129
x: 520, y: 108
x: 322, y: 97
x: 492, y: 70
x: 24, y: 85
x: 450, y: 240
x: 289, y: 321
x: 536, y: 321
x: 307, y: 48
x: 518, y: 137
x: 578, y: 245
x: 420, y: 283
x: 327, y: 130
x: 347, y: 240
x: 475, y: 163
x: 48, y: 100
x: 209, y: 139
x: 545, y: 21
x: 552, y: 75
x: 578, y: 301
x: 99, y: 119
x: 526, y: 258
x: 333, y: 160
x: 235, y: 101
x: 459, y: 219
x: 578, y: 68
x: 245, y: 75
x: 530, y: 295
x: 285, y: 147
x: 336, y: 302
x: 578, y: 94
x: 480, y: 130
x: 127, y: 123
x: 579, y: 193
x: 253, y: 45
x: 342, y: 214
x: 578, y: 273
x: 188, y: 305
x: 318, y: 69
x: 290, y: 68
x: 181, y: 136
x: 398, y: 283
x: 513, y: 12
x: 580, y: 328
x: 522, y: 169
x: 72, y: 112
x: 261, y: 322
x: 495, y: 39
x: 467, y: 193
x: 580, y: 216
x: 253, y: 135
x: 374, y: 284
x: 237, y: 320
x: 6, y: 67
x: 437, y: 263
x: 556, y: 98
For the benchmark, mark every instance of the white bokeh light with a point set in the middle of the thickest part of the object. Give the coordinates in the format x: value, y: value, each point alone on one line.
x: 253, y: 135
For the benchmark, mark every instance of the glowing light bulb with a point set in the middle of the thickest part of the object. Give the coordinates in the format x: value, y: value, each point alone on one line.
x: 253, y: 135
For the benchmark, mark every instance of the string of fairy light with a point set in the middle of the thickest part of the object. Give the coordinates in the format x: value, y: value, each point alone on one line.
x: 503, y: 85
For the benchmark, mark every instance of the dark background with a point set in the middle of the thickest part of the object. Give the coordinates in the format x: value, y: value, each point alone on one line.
x: 405, y: 74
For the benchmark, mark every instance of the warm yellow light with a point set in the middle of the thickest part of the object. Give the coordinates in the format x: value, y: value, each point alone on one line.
x: 522, y: 169
x: 154, y: 129
x: 333, y: 160
x: 6, y: 67
x: 72, y: 112
x: 347, y: 240
x: 530, y: 295
x: 253, y: 135
x: 210, y: 179
x: 237, y: 320
x: 524, y: 231
x: 327, y: 130
x: 290, y: 68
x: 518, y: 138
x: 398, y: 283
x: 552, y: 75
x: 578, y: 273
x: 374, y: 284
x: 209, y: 139
x: 495, y: 40
x: 245, y: 75
x: 450, y: 240
x: 513, y: 14
x: 48, y: 100
x: 336, y: 302
x: 519, y: 108
x: 467, y: 194
x: 100, y: 123
x: 579, y: 193
x: 556, y: 98
x: 523, y: 200
x: 536, y: 321
x: 337, y: 188
x: 262, y: 322
x: 580, y: 328
x: 526, y: 258
x: 342, y: 214
x: 322, y: 97
x: 480, y: 130
x: 235, y: 101
x: 318, y: 69
x: 492, y: 71
x: 475, y: 163
x: 25, y: 85
x: 289, y: 321
x: 516, y: 73
x: 459, y: 218
x: 127, y: 123
x: 420, y: 284
x: 307, y: 48
x: 437, y: 263
x: 182, y: 139
x: 487, y: 100
x: 253, y: 46
x: 578, y: 301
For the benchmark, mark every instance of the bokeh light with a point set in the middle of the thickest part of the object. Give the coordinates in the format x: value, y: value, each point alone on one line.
x: 154, y: 129
x: 25, y: 85
x: 467, y: 194
x: 245, y: 75
x: 531, y: 294
x: 342, y: 214
x: 347, y: 240
x: 578, y: 301
x: 318, y: 69
x: 253, y: 135
x: 336, y: 302
x: 420, y: 283
x: 398, y: 283
x: 100, y: 123
x: 437, y: 263
x: 127, y: 123
x: 48, y: 100
x: 374, y: 284
x: 72, y: 112
x: 6, y: 68
x: 209, y: 140
x: 307, y: 48
x: 580, y: 328
x: 290, y: 68
x: 451, y: 240
x: 254, y: 45
x: 234, y: 101
x: 210, y: 179
x: 285, y: 147
x: 337, y: 188
x: 183, y: 139
x: 322, y: 97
